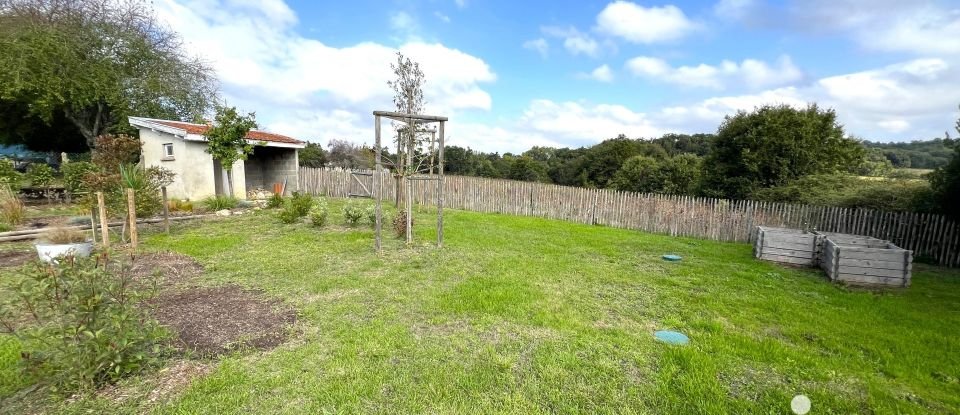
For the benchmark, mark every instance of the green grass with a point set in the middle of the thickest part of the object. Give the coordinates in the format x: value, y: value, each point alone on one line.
x: 526, y: 315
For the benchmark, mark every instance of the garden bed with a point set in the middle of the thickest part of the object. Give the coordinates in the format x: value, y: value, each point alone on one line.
x: 786, y: 246
x: 866, y: 263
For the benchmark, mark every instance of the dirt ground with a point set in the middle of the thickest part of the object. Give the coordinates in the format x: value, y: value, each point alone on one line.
x: 17, y: 258
x: 211, y: 321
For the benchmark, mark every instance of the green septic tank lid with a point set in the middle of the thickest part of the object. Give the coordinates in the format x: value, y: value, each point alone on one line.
x: 671, y: 337
x: 672, y: 257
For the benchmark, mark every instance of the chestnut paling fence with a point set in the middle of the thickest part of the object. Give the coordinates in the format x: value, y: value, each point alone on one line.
x: 930, y: 236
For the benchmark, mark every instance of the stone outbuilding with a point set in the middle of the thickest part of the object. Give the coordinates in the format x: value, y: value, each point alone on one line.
x: 181, y: 147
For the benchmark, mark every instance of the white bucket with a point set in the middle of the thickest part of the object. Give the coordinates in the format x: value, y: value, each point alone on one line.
x: 50, y: 252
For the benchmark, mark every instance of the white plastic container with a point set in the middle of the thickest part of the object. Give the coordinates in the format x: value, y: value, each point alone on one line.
x: 50, y: 252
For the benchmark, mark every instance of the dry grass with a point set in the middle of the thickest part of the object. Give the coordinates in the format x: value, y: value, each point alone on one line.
x: 62, y: 235
x: 12, y: 210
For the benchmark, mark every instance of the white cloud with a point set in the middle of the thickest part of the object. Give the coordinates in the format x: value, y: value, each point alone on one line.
x: 894, y: 126
x: 444, y: 18
x: 574, y: 41
x: 640, y: 24
x: 751, y: 73
x: 602, y: 73
x: 916, y: 27
x: 540, y: 45
x: 403, y: 22
x: 461, y: 3
x: 303, y: 87
x: 733, y: 9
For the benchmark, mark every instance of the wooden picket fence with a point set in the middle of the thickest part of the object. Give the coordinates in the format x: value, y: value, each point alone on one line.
x: 930, y: 236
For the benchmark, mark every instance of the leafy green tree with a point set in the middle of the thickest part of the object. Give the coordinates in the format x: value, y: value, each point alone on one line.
x: 460, y: 161
x: 603, y: 160
x: 312, y: 155
x: 227, y: 139
x: 773, y: 145
x: 875, y: 164
x: 93, y: 63
x: 527, y: 169
x: 945, y: 182
x: 680, y: 175
x: 638, y: 174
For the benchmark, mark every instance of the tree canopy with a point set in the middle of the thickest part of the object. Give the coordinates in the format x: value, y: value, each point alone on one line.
x: 227, y: 139
x: 775, y: 144
x: 89, y: 64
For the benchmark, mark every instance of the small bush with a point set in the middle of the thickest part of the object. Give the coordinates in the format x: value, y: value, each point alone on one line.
x: 275, y: 201
x: 73, y: 174
x: 353, y: 212
x: 288, y: 215
x: 9, y: 175
x: 40, y: 175
x: 400, y: 223
x: 371, y: 212
x: 319, y: 212
x: 61, y: 235
x: 11, y: 208
x: 85, y: 327
x: 180, y: 205
x: 301, y: 203
x: 220, y: 202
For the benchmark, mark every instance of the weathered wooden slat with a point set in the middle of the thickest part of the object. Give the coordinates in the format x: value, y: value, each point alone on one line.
x: 787, y: 259
x: 871, y: 263
x: 877, y: 272
x: 854, y: 279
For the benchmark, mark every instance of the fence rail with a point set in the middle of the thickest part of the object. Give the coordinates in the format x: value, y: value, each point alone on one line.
x: 930, y: 236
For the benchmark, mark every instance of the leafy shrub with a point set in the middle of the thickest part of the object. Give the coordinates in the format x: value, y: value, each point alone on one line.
x: 301, y: 203
x: 112, y: 151
x: 288, y: 215
x: 11, y: 208
x: 353, y: 212
x: 371, y: 212
x: 853, y: 192
x: 220, y: 202
x: 85, y: 327
x: 40, y: 175
x: 73, y: 174
x: 180, y: 205
x: 9, y: 175
x: 275, y: 201
x: 319, y: 212
x: 400, y: 223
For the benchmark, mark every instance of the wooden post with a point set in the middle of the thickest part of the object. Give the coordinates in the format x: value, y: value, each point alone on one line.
x: 93, y: 222
x: 408, y: 171
x: 377, y: 184
x: 440, y: 187
x: 104, y: 230
x: 433, y: 139
x: 132, y: 217
x: 166, y: 210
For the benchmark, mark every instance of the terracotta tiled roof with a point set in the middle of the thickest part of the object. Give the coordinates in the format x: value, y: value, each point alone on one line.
x: 199, y: 129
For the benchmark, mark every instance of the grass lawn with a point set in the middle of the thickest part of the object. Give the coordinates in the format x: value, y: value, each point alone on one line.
x: 526, y: 315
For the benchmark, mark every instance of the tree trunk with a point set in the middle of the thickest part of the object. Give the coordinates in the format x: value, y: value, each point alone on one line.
x: 228, y: 181
x: 91, y: 121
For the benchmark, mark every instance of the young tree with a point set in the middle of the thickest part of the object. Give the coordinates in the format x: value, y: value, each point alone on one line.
x: 408, y: 99
x: 773, y: 145
x: 638, y: 174
x: 227, y: 140
x: 92, y: 63
x: 945, y: 182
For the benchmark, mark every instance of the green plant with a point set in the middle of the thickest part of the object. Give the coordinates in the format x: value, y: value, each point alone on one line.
x: 80, y: 324
x: 177, y: 205
x: 11, y: 208
x: 319, y: 212
x: 301, y: 203
x: 73, y: 175
x: 371, y: 212
x: 9, y: 175
x: 60, y: 235
x: 353, y: 212
x: 275, y: 201
x: 288, y: 215
x: 40, y: 175
x: 220, y: 202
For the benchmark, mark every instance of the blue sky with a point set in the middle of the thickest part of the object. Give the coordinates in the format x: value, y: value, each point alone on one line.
x: 513, y: 74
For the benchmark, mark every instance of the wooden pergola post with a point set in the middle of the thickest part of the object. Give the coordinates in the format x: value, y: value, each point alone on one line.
x: 440, y: 190
x: 377, y: 185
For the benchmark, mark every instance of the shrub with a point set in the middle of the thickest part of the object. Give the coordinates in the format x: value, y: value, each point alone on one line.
x: 288, y: 215
x: 11, y: 208
x: 371, y: 212
x: 275, y: 201
x: 85, y: 327
x: 353, y: 212
x: 9, y: 175
x: 73, y: 174
x: 301, y: 203
x: 400, y: 223
x: 112, y: 151
x: 220, y: 202
x: 60, y: 235
x: 319, y: 212
x: 40, y: 175
x: 180, y: 205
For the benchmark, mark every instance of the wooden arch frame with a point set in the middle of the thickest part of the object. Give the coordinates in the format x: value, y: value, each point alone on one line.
x: 409, y: 119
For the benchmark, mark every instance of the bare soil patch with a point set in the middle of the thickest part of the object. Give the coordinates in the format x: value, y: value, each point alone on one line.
x: 168, y: 268
x: 214, y: 320
x: 9, y: 259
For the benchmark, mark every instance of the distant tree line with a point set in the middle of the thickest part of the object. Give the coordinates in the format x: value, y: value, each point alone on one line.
x: 917, y: 154
x: 774, y: 153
